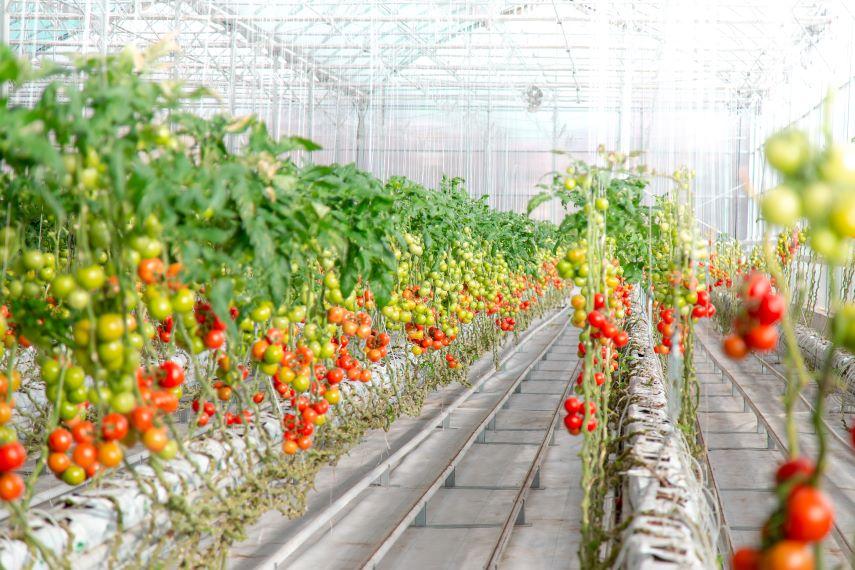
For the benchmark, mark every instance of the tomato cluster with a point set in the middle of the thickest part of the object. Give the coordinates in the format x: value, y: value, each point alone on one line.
x: 576, y: 412
x: 602, y: 332
x: 755, y: 327
x: 804, y: 516
x: 817, y: 186
x: 671, y: 329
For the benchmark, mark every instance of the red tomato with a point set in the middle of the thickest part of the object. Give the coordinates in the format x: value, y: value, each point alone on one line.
x: 83, y: 432
x: 756, y: 287
x: 596, y: 319
x: 11, y: 486
x: 746, y: 559
x: 809, y: 515
x: 573, y: 422
x: 801, y: 466
x: 12, y: 456
x: 60, y: 440
x: 735, y: 347
x: 215, y: 339
x: 85, y: 455
x: 142, y: 417
x: 171, y: 374
x: 762, y: 338
x: 770, y: 310
x: 114, y: 426
x: 572, y: 405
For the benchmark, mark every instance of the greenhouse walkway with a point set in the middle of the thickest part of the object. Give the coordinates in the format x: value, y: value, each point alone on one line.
x: 743, y: 423
x: 480, y: 478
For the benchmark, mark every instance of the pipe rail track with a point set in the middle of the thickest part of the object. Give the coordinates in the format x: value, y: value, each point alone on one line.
x: 528, y: 482
x: 420, y: 505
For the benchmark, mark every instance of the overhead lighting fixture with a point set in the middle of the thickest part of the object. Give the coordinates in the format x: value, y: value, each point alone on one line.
x: 533, y: 97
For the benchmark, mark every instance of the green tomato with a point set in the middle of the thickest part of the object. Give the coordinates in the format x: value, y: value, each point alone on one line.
x: 781, y: 206
x: 311, y: 331
x: 788, y: 151
x: 68, y: 411
x: 327, y: 350
x: 331, y: 280
x: 169, y: 451
x: 33, y: 260
x: 50, y: 371
x: 110, y: 352
x: 826, y: 243
x: 91, y: 278
x: 297, y: 314
x: 816, y: 201
x: 74, y: 475
x: 78, y: 395
x: 111, y: 326
x: 843, y: 214
x: 183, y: 300
x: 261, y: 313
x: 62, y: 286
x: 123, y: 402
x: 159, y: 307
x: 273, y: 354
x: 74, y: 377
x: 838, y: 165
x: 300, y: 383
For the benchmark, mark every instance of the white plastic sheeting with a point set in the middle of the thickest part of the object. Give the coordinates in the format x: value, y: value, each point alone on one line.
x: 671, y: 522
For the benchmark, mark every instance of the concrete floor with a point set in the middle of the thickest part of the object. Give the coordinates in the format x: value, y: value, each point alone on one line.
x: 743, y: 456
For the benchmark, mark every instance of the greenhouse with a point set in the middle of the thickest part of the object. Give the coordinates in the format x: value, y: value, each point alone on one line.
x: 449, y: 284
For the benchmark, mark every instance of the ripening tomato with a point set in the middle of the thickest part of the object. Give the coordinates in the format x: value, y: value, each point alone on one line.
x: 150, y: 270
x: 11, y: 486
x: 290, y: 447
x: 5, y: 412
x: 304, y: 442
x: 735, y: 347
x: 110, y: 454
x: 58, y: 462
x: 155, y: 439
x: 809, y: 514
x: 787, y: 555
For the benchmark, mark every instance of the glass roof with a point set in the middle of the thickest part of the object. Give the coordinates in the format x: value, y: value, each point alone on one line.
x: 485, y: 89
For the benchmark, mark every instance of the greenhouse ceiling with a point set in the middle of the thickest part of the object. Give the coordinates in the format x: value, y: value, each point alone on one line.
x: 580, y: 54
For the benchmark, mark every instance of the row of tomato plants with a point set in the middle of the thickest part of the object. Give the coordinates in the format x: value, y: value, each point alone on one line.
x: 156, y: 261
x: 769, y: 292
